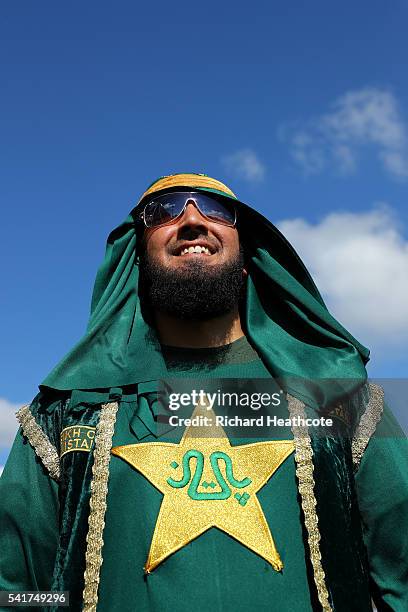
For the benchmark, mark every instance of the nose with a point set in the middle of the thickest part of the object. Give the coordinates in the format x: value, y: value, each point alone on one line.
x: 192, y: 215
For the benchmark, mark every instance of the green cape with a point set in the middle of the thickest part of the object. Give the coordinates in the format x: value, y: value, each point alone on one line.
x: 285, y: 318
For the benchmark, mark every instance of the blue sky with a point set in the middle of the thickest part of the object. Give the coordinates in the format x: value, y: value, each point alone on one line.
x: 302, y: 108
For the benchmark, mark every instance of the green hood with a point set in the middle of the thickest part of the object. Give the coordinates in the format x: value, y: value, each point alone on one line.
x: 286, y: 319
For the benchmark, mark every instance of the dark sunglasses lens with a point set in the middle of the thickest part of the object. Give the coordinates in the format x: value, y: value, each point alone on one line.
x: 163, y: 209
x: 215, y: 209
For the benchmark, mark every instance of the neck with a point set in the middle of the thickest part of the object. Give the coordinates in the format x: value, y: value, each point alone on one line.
x: 198, y: 334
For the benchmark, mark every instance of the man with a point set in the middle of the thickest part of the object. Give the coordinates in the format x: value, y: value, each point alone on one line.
x: 96, y: 501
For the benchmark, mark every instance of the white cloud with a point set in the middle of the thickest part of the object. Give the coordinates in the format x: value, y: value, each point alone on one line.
x: 244, y: 164
x: 1, y: 469
x: 359, y: 262
x: 8, y: 422
x: 368, y: 117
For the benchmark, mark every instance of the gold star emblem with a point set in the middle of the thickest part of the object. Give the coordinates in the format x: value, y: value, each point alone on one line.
x: 207, y: 483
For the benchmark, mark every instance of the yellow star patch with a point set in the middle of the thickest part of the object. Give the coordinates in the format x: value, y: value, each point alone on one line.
x: 207, y: 483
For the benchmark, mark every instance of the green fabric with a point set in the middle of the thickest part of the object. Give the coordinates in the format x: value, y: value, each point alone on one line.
x: 346, y: 570
x: 214, y: 571
x: 28, y: 522
x: 239, y: 351
x: 285, y: 319
x: 382, y: 487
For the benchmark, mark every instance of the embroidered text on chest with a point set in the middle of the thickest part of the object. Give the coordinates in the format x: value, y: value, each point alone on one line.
x: 77, y: 438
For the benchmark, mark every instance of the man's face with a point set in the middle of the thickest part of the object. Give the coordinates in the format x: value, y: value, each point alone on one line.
x: 192, y: 268
x: 167, y: 244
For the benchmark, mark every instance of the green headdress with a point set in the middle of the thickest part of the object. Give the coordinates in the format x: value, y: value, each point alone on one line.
x: 286, y: 319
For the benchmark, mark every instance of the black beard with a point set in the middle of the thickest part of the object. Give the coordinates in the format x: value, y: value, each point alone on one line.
x: 194, y: 293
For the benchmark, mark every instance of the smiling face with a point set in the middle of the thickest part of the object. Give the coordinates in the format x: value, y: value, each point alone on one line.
x: 193, y: 267
x: 191, y: 238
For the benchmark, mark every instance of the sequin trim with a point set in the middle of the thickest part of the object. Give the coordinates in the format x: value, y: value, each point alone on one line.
x: 97, y: 503
x: 368, y: 423
x: 304, y: 473
x: 39, y: 441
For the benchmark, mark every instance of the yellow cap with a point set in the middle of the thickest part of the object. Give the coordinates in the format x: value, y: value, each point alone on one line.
x: 194, y: 181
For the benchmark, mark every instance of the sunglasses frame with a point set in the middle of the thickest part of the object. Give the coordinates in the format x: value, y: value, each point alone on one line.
x: 189, y: 198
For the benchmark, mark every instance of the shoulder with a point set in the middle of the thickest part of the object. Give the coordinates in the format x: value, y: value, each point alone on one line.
x: 377, y: 421
x: 39, y: 423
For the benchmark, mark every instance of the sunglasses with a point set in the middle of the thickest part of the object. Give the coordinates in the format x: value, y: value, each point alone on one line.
x: 168, y: 207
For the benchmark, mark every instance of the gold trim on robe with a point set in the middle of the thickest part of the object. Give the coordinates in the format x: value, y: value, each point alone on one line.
x: 368, y: 423
x: 39, y: 441
x: 304, y: 473
x: 97, y: 503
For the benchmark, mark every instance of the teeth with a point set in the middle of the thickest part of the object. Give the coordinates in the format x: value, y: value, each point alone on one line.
x: 195, y: 249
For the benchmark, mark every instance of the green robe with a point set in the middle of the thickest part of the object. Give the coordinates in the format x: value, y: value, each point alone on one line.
x: 42, y: 541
